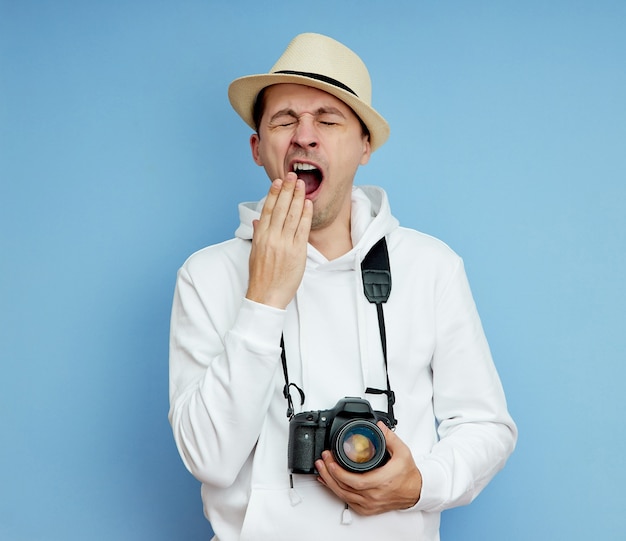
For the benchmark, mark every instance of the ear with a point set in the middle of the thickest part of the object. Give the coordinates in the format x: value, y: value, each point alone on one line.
x: 255, y: 141
x: 367, y: 150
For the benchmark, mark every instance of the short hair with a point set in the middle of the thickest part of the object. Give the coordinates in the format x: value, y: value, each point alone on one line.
x: 257, y: 109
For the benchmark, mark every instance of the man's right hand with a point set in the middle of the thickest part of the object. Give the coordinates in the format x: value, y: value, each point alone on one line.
x: 279, y: 243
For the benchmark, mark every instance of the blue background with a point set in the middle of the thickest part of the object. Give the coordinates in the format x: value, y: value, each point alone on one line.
x: 120, y: 156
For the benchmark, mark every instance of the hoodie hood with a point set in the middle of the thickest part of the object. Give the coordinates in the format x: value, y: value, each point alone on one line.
x: 371, y: 219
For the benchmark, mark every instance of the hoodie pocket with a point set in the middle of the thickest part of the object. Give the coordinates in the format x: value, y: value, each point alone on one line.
x: 271, y: 516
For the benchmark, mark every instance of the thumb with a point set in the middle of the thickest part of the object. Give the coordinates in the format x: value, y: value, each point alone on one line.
x: 391, y: 439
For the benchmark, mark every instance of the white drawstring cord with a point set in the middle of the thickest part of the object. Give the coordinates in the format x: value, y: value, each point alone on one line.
x: 293, y: 493
x: 346, y: 516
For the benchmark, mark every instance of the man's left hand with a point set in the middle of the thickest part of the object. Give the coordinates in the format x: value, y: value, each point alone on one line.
x: 396, y: 485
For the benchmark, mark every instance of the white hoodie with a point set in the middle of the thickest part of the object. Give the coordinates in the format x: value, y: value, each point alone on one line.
x: 228, y: 412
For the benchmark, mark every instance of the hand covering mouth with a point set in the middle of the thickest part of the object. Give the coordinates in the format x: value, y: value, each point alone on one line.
x: 310, y: 174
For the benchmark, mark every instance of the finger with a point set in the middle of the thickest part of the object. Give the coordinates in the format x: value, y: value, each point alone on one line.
x: 354, y: 499
x: 390, y: 435
x: 296, y: 213
x: 284, y: 202
x: 327, y: 479
x: 270, y: 202
x: 324, y: 468
x: 304, y: 225
x: 340, y: 477
x: 394, y: 443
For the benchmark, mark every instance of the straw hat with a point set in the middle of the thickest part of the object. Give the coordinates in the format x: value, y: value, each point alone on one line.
x: 320, y: 62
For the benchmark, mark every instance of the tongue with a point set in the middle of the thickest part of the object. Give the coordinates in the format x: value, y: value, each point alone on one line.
x: 311, y: 180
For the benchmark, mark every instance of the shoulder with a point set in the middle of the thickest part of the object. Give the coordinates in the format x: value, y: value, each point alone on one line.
x: 220, y: 263
x: 422, y: 260
x: 215, y: 254
x: 413, y: 244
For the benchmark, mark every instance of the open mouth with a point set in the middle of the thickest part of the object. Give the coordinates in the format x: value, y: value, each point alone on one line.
x: 311, y: 175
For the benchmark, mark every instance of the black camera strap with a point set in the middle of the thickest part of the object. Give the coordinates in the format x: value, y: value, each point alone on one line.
x: 287, y: 387
x: 376, y: 273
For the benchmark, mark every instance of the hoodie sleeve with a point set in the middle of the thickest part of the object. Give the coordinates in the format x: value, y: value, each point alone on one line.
x: 224, y: 353
x: 476, y: 432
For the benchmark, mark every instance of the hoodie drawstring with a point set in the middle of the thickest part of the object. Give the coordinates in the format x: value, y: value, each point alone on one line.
x: 346, y: 516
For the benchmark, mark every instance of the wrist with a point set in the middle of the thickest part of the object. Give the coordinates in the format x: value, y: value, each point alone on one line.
x: 263, y: 297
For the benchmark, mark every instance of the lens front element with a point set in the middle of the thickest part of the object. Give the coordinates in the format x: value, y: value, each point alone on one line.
x: 359, y: 446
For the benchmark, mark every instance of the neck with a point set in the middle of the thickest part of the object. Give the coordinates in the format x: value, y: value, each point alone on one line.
x: 332, y: 242
x: 332, y: 236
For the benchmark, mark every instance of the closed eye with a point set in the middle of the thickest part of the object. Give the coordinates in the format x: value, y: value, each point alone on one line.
x: 330, y: 117
x: 284, y: 118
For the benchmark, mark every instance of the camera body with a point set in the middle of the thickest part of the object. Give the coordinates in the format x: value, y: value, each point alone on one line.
x: 348, y: 430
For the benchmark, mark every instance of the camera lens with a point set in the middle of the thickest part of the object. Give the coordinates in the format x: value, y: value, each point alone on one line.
x: 359, y: 446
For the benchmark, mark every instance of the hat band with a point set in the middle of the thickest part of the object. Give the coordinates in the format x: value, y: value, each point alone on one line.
x: 319, y: 77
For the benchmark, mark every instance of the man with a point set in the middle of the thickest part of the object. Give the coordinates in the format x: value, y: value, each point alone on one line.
x: 293, y: 276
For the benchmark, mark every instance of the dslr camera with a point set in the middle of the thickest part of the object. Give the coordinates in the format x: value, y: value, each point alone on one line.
x: 348, y: 430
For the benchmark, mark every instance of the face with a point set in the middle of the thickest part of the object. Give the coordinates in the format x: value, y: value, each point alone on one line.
x: 315, y: 134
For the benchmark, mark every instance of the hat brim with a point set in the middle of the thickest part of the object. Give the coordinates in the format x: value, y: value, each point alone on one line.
x: 242, y: 94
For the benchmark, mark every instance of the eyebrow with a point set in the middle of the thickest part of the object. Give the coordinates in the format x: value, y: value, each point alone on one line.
x: 319, y: 112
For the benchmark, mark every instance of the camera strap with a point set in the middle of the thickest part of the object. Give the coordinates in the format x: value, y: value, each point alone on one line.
x: 376, y: 274
x: 287, y: 387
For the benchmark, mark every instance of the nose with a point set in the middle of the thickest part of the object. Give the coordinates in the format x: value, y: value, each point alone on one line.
x: 305, y: 134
